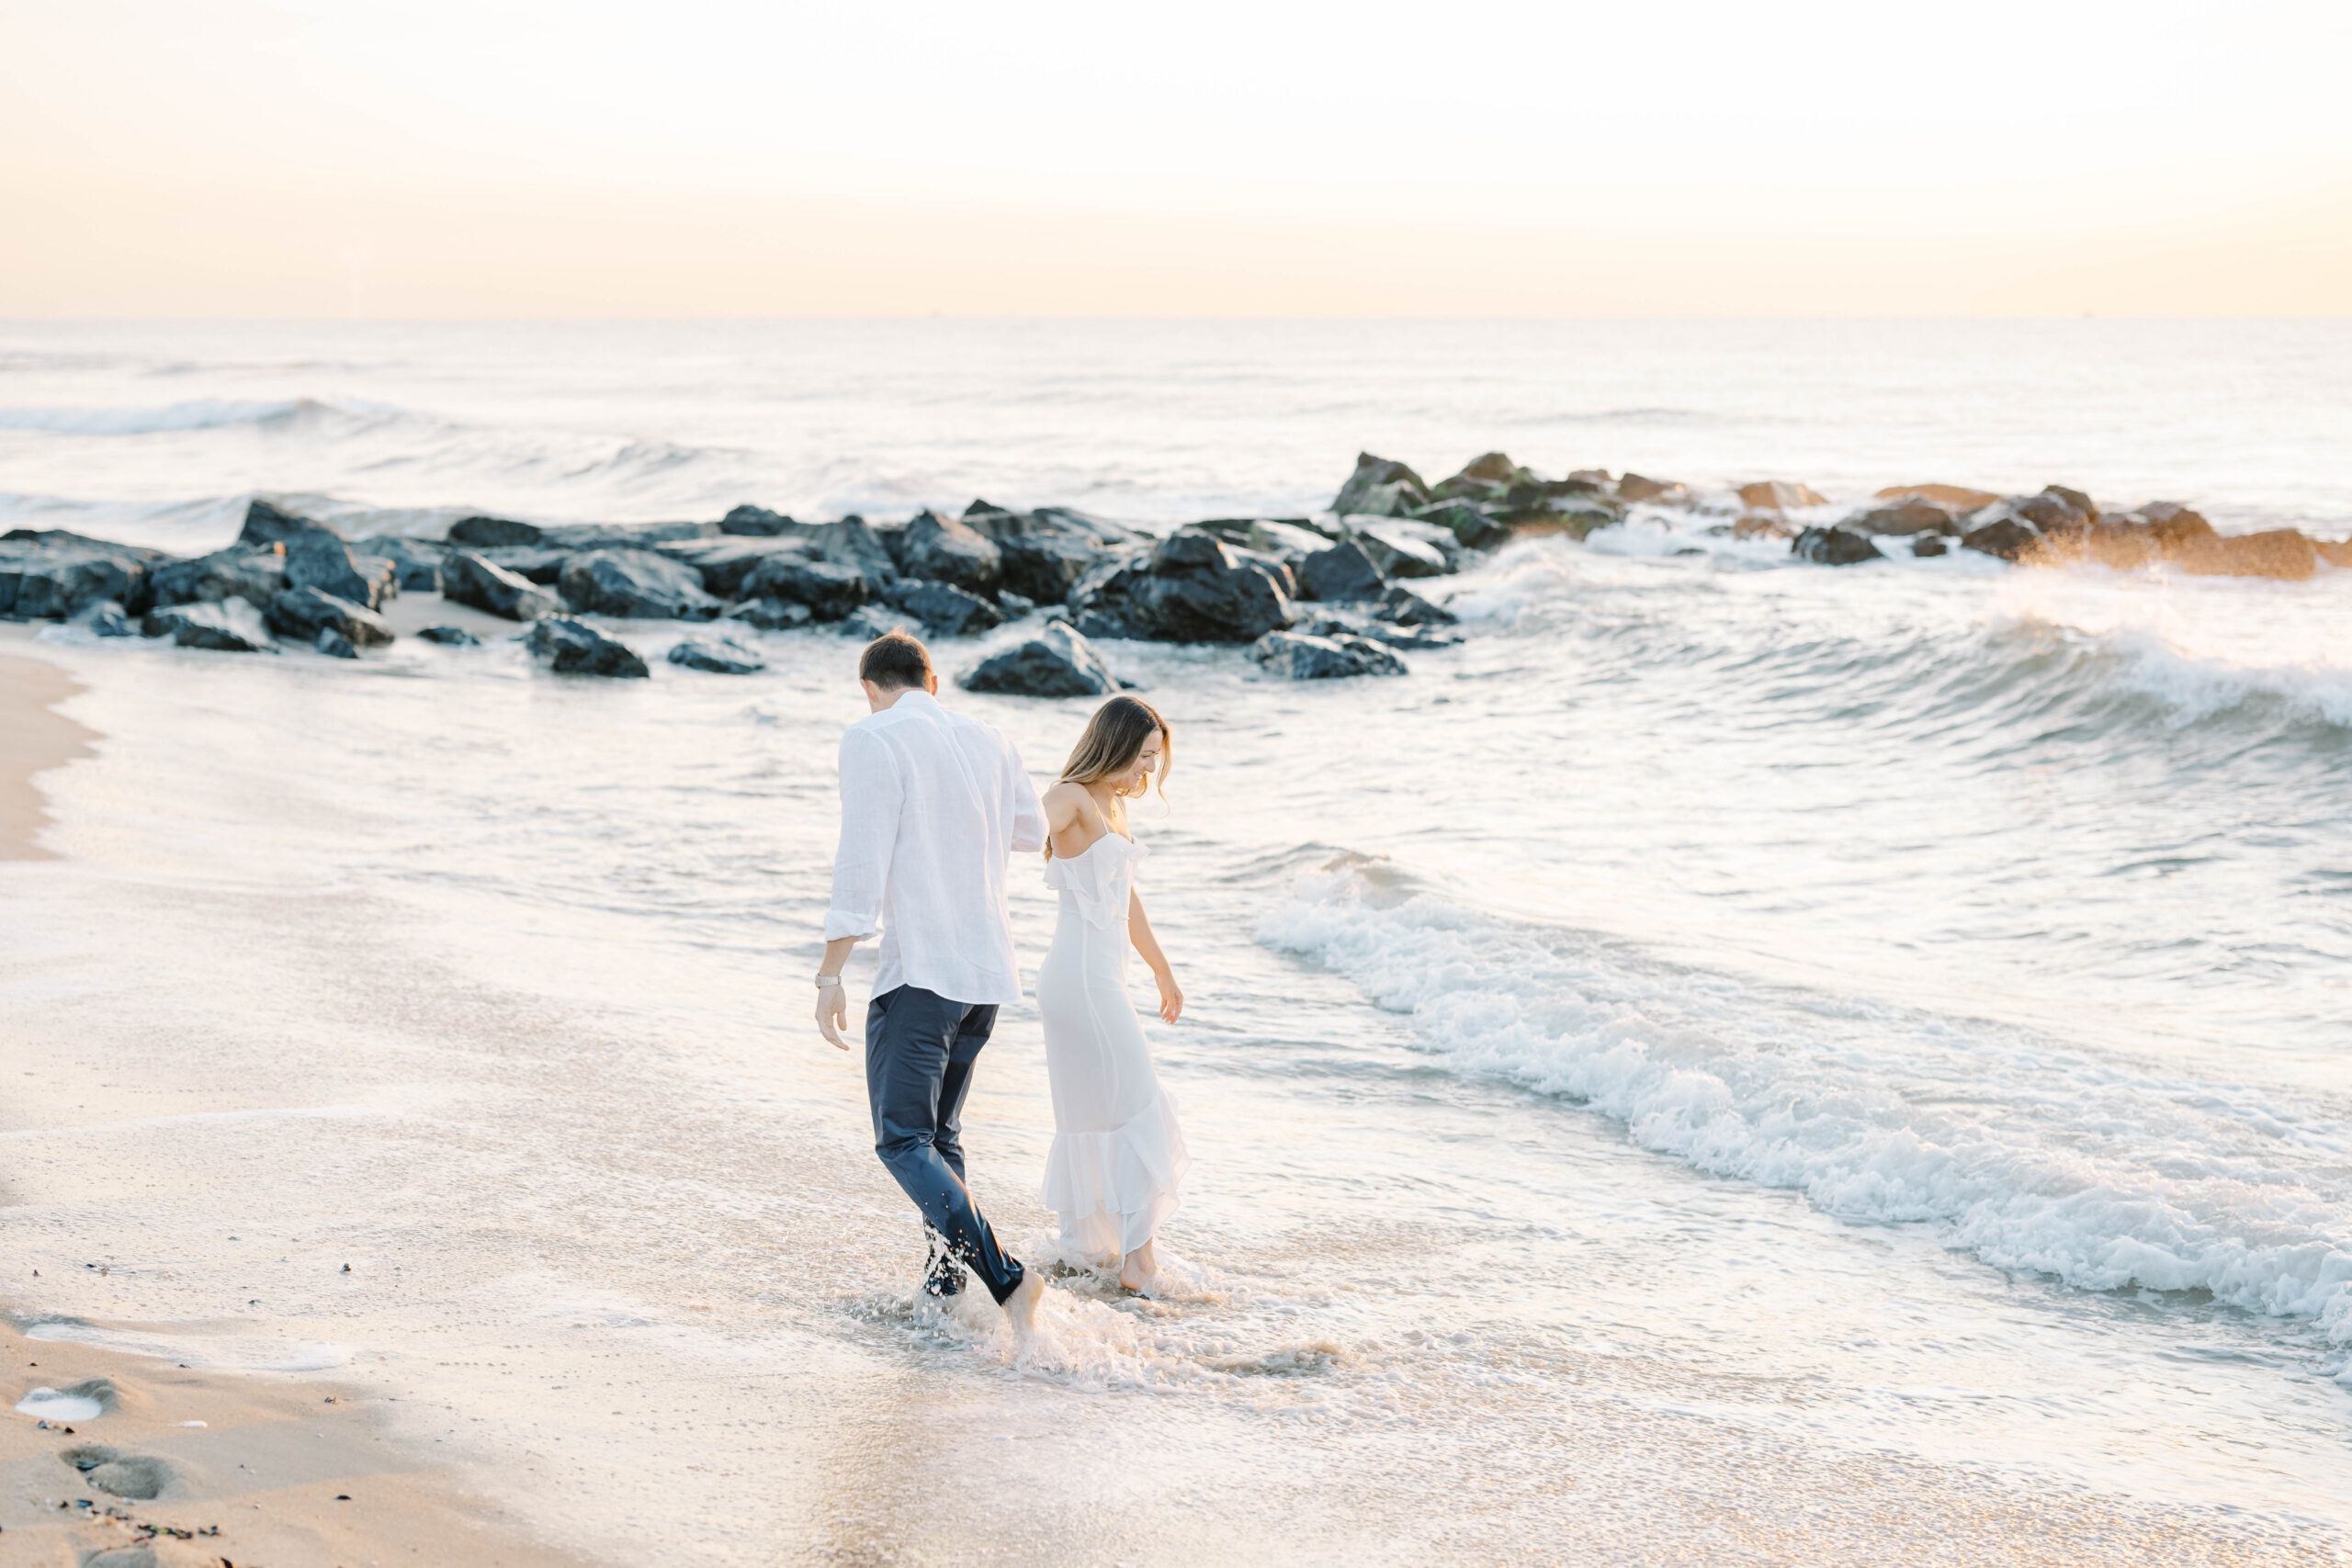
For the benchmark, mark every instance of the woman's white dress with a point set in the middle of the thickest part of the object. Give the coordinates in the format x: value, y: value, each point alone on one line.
x: 1117, y: 1152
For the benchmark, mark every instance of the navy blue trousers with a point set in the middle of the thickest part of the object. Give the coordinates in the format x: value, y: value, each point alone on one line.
x: 919, y: 1048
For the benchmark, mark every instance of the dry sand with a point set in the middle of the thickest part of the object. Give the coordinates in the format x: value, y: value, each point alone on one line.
x: 33, y: 735
x: 254, y: 1472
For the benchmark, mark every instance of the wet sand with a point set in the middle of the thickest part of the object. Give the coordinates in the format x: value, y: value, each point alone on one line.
x: 238, y: 1468
x: 33, y: 736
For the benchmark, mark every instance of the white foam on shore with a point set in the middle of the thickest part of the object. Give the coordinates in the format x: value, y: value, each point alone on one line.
x: 239, y: 1353
x: 2029, y: 1155
x: 49, y: 1404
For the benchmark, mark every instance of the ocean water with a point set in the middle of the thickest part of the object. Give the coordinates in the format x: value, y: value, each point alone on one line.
x: 1737, y: 1060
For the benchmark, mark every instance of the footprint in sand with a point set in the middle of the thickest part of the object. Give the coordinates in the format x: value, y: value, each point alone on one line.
x: 134, y: 1476
x: 122, y: 1557
x: 83, y: 1401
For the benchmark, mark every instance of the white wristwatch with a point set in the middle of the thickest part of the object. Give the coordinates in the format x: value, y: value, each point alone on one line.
x: 825, y: 980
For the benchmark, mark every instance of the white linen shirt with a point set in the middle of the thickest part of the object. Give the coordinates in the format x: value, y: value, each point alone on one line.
x: 933, y: 804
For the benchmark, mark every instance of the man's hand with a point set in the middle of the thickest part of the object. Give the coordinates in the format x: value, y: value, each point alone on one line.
x: 833, y: 1014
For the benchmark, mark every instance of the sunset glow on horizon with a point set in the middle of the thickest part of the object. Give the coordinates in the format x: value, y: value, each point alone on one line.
x: 437, y: 160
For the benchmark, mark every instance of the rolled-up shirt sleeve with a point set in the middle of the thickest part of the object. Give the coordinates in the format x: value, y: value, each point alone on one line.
x: 1028, y: 834
x: 871, y: 792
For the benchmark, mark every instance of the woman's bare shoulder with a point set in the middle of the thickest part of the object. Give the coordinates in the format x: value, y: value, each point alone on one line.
x: 1065, y: 796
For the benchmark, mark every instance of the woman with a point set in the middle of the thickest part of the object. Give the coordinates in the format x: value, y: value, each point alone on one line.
x: 1117, y: 1152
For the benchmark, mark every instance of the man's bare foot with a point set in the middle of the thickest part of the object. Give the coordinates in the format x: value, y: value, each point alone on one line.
x: 1137, y: 1271
x: 1022, y: 1305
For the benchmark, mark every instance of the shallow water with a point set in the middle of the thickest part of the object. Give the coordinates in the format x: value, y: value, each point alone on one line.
x: 1733, y: 1059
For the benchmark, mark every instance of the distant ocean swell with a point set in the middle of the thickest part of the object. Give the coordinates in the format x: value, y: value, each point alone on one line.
x: 2026, y: 1156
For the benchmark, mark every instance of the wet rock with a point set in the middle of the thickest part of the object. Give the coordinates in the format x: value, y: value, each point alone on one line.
x: 450, y: 636
x: 1057, y: 662
x: 1297, y: 656
x: 1930, y: 545
x: 769, y: 614
x: 51, y: 574
x: 1634, y: 487
x: 943, y: 609
x: 2005, y: 538
x: 1834, y: 546
x: 635, y: 585
x: 266, y: 525
x: 1190, y: 587
x: 1904, y: 518
x: 2175, y: 526
x: 2275, y: 552
x: 107, y: 618
x: 1405, y: 548
x: 1779, y: 495
x: 717, y: 658
x: 1762, y: 525
x: 1342, y: 573
x: 227, y: 626
x: 870, y: 620
x: 322, y: 560
x: 1954, y: 499
x: 941, y: 549
x: 469, y: 579
x: 1486, y: 478
x: 573, y: 648
x: 492, y: 532
x: 1380, y: 487
x: 1342, y: 621
x: 728, y: 562
x: 2052, y: 512
x: 335, y: 645
x: 1576, y: 519
x: 755, y: 522
x: 829, y: 589
x: 416, y: 563
x: 1046, y: 552
x: 303, y: 613
x: 1473, y: 526
x: 1406, y: 608
x: 237, y: 572
x: 532, y: 563
x: 1282, y: 539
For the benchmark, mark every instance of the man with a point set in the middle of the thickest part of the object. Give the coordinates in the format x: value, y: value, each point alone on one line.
x: 931, y: 804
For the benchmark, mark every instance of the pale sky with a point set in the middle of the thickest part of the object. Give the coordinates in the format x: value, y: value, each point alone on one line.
x: 525, y: 158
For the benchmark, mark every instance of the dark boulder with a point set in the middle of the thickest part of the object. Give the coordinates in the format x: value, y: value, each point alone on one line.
x: 1057, y: 662
x: 229, y: 626
x: 1296, y: 655
x: 541, y: 564
x: 756, y: 522
x: 580, y: 538
x: 2075, y: 499
x: 301, y: 614
x: 571, y: 648
x: 717, y: 658
x: 266, y: 525
x: 107, y: 618
x: 1044, y: 553
x: 1380, y: 487
x: 322, y: 560
x: 943, y: 609
x: 728, y: 562
x: 2052, y: 512
x: 416, y: 563
x: 469, y: 579
x: 870, y: 620
x: 56, y: 575
x: 829, y: 589
x: 1407, y: 549
x: 450, y: 636
x: 1576, y: 517
x: 237, y: 572
x: 2275, y: 552
x: 492, y: 532
x: 1189, y: 587
x: 1473, y: 526
x: 941, y: 549
x: 2006, y: 537
x: 1406, y: 608
x: 1487, y: 478
x: 335, y: 645
x: 1634, y: 486
x: 1340, y: 574
x: 635, y: 585
x: 1906, y: 518
x: 1930, y: 545
x: 1834, y: 546
x: 1345, y: 621
x: 768, y: 615
x: 2175, y: 526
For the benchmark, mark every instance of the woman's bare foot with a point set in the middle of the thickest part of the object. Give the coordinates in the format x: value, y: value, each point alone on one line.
x: 1137, y: 1271
x: 1022, y: 1305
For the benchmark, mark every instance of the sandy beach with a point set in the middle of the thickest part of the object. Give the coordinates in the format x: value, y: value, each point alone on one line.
x: 201, y: 1468
x: 33, y: 736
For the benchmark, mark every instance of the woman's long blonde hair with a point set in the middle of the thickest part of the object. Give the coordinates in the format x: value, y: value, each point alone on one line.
x: 1112, y: 742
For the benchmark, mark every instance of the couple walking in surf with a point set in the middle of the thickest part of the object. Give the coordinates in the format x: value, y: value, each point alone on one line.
x: 933, y: 804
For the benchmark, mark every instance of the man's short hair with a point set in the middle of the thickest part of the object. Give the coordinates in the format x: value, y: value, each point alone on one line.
x: 896, y: 658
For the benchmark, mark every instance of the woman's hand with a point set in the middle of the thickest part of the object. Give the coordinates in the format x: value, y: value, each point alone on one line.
x: 1171, y: 995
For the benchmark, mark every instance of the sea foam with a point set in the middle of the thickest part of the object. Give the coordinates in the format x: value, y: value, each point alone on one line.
x: 2031, y: 1155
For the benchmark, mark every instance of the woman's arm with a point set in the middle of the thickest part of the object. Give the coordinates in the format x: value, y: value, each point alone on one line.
x: 1172, y: 997
x: 1064, y: 803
